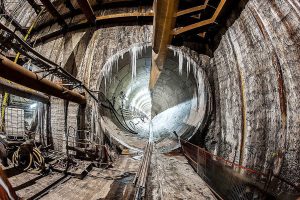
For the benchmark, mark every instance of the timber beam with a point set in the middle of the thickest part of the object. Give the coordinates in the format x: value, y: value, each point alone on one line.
x: 201, y: 23
x: 191, y: 10
x: 112, y: 19
x: 16, y: 73
x: 163, y: 24
x: 21, y: 91
x: 52, y: 10
x: 87, y: 10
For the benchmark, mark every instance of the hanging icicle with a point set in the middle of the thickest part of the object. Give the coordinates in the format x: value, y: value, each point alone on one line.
x: 198, y: 73
x: 135, y: 50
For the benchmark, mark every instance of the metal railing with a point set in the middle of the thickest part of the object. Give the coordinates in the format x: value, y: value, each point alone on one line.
x: 232, y: 181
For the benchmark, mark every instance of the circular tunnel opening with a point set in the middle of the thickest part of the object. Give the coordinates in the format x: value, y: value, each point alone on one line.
x: 176, y: 107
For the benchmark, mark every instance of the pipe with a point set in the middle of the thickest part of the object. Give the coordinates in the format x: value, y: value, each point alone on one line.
x: 20, y: 75
x: 22, y: 91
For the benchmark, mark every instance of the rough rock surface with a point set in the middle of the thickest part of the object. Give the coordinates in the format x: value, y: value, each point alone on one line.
x: 256, y: 81
x: 171, y: 177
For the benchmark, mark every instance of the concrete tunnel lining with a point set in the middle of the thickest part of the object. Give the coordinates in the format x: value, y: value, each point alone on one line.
x: 176, y: 104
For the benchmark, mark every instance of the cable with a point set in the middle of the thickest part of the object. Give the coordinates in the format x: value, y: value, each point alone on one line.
x: 35, y: 157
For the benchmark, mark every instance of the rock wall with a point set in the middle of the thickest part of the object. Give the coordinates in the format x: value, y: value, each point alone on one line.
x: 256, y: 86
x: 21, y: 11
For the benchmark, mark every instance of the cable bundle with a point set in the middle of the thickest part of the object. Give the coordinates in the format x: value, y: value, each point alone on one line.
x: 36, y: 160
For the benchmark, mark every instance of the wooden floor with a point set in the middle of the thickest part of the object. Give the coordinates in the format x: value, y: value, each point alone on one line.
x: 98, y: 184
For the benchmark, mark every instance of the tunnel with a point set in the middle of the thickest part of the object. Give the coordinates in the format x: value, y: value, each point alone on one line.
x: 149, y: 99
x: 172, y: 109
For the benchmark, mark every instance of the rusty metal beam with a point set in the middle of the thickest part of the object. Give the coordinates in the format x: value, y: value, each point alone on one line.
x: 20, y: 75
x: 163, y: 24
x: 87, y: 10
x: 19, y: 90
x: 202, y: 23
x: 52, y: 10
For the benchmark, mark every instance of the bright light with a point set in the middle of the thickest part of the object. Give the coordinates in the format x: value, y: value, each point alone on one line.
x: 33, y: 105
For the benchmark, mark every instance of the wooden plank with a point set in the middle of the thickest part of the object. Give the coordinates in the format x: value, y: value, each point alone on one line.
x: 163, y: 24
x: 202, y: 23
x: 87, y: 10
x: 52, y: 10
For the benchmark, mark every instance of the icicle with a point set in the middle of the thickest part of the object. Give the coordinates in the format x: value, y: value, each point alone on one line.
x: 188, y: 66
x: 180, y: 63
x: 195, y: 67
x: 135, y: 52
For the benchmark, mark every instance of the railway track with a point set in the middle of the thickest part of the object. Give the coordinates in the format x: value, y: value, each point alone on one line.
x: 142, y: 174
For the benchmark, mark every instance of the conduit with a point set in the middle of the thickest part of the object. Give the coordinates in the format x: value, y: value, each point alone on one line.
x: 21, y: 91
x: 20, y: 75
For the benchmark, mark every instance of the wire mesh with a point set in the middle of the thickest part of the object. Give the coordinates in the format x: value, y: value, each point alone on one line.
x: 14, y: 124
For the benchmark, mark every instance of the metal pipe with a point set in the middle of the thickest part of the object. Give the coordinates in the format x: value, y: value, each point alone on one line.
x: 20, y: 75
x: 18, y: 90
x: 87, y: 10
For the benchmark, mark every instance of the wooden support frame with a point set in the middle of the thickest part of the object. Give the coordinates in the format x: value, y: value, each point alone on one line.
x: 87, y: 10
x: 100, y: 20
x: 163, y: 23
x: 191, y: 10
x: 202, y: 23
x: 52, y: 10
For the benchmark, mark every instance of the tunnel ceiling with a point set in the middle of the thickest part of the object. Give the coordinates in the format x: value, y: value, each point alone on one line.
x: 203, y: 39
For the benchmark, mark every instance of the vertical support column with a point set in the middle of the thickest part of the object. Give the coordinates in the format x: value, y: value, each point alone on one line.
x: 81, y: 122
x: 48, y: 126
x: 81, y: 125
x: 66, y: 106
x: 163, y: 25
